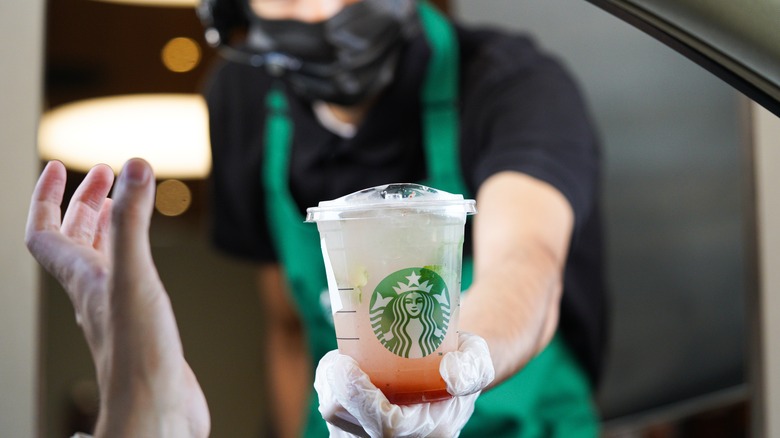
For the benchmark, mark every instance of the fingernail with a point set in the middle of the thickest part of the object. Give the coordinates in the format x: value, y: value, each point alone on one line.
x: 50, y: 163
x: 135, y: 172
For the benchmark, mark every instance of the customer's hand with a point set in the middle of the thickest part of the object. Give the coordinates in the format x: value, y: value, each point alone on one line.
x: 351, y: 404
x: 100, y: 254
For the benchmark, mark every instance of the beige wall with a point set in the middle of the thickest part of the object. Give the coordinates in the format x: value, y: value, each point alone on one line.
x: 20, y: 88
x: 766, y: 135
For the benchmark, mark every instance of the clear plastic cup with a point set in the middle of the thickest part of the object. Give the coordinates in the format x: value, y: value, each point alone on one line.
x: 393, y: 260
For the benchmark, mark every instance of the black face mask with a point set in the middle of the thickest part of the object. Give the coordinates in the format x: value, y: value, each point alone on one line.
x: 343, y: 60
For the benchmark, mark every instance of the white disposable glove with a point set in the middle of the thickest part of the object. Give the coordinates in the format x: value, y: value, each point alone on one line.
x: 352, y: 405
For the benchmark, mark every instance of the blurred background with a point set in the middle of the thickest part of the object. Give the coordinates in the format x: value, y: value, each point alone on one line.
x: 677, y: 205
x: 674, y: 150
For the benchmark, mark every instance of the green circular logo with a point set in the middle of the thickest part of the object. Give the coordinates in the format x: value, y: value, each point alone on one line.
x: 410, y: 312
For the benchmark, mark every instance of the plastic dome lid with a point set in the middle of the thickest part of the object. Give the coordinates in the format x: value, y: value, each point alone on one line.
x: 408, y: 197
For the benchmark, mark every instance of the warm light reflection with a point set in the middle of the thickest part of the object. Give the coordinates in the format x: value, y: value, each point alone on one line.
x: 173, y: 197
x: 170, y: 3
x: 168, y: 130
x: 181, y: 54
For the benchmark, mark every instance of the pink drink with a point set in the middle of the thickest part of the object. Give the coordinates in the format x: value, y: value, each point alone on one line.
x: 393, y: 260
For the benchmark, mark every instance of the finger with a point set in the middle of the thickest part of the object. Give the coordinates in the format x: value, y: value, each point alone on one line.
x: 450, y: 416
x: 81, y: 218
x: 470, y: 369
x: 335, y: 431
x: 130, y: 218
x: 343, y: 424
x: 102, y: 241
x: 139, y: 307
x: 42, y: 234
x: 328, y: 387
x: 44, y: 211
x: 362, y: 400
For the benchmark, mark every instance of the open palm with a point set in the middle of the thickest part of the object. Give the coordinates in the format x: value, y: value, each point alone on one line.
x: 99, y: 252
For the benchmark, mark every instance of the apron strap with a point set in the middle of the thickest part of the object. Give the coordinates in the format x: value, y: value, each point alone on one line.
x: 277, y: 138
x: 439, y: 99
x: 440, y: 118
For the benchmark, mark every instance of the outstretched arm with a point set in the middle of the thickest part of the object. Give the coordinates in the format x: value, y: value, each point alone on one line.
x: 100, y: 254
x: 521, y: 240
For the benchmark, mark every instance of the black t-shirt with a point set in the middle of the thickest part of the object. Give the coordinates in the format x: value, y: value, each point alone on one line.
x: 519, y: 111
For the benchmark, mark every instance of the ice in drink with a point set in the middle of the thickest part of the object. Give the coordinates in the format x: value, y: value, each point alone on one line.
x: 393, y: 261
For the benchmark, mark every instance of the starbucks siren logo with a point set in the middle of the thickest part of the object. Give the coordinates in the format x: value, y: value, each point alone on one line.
x: 410, y: 312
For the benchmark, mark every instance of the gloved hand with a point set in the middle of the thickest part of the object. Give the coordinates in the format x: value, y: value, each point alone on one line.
x: 352, y: 405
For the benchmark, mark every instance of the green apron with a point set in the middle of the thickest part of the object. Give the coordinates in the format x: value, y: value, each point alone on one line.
x: 550, y: 397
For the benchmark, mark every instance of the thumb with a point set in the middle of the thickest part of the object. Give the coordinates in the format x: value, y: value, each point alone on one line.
x: 470, y: 369
x: 133, y: 202
x: 139, y: 305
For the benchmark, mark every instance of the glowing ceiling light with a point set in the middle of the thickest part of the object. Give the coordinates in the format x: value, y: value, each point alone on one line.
x: 168, y: 130
x: 180, y: 54
x: 165, y: 3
